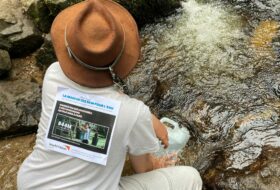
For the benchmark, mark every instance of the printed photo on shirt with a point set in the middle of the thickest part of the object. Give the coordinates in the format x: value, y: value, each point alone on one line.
x: 82, y: 127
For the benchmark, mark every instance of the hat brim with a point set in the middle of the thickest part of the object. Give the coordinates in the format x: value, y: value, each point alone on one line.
x: 82, y: 75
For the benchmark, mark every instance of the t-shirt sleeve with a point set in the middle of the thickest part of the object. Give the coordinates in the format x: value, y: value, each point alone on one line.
x: 142, y: 138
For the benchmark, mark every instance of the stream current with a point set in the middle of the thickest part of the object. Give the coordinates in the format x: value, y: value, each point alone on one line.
x: 214, y: 66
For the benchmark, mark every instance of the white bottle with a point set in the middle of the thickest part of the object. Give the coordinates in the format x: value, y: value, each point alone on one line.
x: 178, y: 138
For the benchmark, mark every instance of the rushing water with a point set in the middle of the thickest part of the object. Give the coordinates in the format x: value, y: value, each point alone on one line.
x: 214, y: 67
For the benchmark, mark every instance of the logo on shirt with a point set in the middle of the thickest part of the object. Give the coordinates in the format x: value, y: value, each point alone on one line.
x: 68, y: 147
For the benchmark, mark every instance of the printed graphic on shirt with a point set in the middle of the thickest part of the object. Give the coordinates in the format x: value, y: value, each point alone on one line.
x: 82, y: 125
x: 86, y: 128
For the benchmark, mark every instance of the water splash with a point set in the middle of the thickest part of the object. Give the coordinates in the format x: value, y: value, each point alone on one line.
x: 209, y: 25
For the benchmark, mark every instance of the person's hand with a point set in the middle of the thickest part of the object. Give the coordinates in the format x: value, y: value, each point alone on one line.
x: 164, y: 161
x: 161, y: 131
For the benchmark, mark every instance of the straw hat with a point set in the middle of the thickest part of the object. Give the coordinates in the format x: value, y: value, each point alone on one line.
x: 93, y: 37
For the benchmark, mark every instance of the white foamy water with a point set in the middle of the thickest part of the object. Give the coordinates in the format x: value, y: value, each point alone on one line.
x: 203, y: 37
x: 209, y: 25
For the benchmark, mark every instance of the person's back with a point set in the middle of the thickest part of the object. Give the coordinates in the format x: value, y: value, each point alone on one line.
x: 65, y: 172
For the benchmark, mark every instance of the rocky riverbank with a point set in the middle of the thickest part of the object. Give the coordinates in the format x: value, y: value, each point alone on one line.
x: 213, y: 66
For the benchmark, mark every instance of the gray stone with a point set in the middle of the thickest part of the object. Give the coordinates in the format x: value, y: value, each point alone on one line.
x: 13, y: 29
x: 9, y: 12
x: 27, y: 41
x: 19, y: 107
x: 18, y: 34
x: 5, y: 63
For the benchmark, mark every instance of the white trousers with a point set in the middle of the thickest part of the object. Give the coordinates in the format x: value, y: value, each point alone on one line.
x: 171, y: 178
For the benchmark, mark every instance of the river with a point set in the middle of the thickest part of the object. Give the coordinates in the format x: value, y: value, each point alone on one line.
x: 214, y: 67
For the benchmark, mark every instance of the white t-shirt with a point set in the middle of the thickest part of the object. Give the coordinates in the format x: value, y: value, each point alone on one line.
x: 47, y: 170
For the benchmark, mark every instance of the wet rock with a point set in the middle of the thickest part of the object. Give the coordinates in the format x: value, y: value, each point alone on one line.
x: 19, y: 107
x: 27, y: 41
x: 263, y: 174
x: 276, y: 89
x: 259, y: 9
x: 5, y: 63
x: 40, y: 15
x: 17, y: 32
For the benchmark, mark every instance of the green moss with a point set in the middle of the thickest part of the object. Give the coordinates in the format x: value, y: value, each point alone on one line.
x: 40, y: 15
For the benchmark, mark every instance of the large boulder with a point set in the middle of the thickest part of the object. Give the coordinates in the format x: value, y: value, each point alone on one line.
x: 18, y: 34
x: 19, y: 107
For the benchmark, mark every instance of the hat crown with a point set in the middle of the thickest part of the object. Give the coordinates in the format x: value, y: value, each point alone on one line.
x: 95, y: 33
x: 95, y: 36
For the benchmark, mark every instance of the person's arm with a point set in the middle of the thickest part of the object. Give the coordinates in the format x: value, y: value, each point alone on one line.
x: 148, y: 162
x: 143, y: 140
x: 160, y: 130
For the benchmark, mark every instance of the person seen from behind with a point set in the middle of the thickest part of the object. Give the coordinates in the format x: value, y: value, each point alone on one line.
x: 97, y: 45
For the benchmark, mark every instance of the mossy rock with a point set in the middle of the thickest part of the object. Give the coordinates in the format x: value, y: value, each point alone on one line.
x: 40, y: 15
